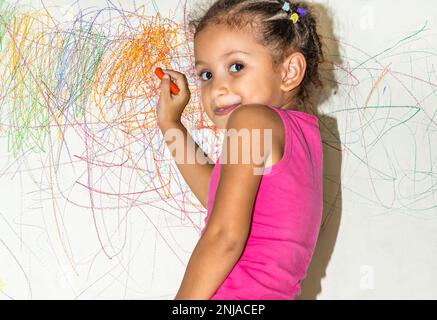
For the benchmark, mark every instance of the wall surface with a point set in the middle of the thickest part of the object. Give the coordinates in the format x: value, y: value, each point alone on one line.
x: 93, y: 205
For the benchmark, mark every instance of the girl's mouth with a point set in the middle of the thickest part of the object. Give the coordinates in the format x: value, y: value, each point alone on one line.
x: 225, y: 110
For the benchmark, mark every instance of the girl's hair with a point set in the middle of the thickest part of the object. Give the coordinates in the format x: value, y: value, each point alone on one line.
x: 271, y: 26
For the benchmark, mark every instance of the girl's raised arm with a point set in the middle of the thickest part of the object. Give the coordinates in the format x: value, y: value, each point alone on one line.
x: 194, y: 165
x: 197, y: 173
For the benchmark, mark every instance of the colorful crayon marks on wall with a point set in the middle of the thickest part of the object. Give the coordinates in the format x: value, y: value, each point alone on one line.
x: 2, y: 286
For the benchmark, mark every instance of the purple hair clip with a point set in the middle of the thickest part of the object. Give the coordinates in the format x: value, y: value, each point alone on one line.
x: 294, y: 16
x: 301, y: 11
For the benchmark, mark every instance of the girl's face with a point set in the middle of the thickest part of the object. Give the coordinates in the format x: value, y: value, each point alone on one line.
x: 234, y: 69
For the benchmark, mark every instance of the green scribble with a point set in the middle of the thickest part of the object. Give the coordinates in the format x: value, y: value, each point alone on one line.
x: 6, y: 15
x: 49, y: 83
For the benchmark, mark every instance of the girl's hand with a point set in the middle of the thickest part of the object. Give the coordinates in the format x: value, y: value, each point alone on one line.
x: 170, y: 107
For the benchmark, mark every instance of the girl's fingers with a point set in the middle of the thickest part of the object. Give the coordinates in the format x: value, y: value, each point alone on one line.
x: 179, y: 77
x: 165, y: 88
x: 171, y: 71
x: 175, y: 74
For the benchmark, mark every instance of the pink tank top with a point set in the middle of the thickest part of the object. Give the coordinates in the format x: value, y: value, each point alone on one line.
x: 286, y: 218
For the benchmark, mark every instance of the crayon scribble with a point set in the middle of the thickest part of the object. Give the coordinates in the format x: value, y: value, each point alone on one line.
x: 2, y: 286
x: 92, y: 194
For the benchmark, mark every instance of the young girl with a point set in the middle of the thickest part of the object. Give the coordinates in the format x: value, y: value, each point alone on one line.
x: 260, y: 229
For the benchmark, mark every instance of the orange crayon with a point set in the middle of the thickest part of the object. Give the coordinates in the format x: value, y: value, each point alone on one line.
x: 173, y: 87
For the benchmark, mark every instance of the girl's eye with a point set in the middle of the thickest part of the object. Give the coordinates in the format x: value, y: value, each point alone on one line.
x: 207, y: 72
x: 200, y: 75
x: 237, y: 64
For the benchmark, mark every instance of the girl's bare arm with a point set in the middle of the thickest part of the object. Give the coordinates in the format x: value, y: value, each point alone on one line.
x: 196, y: 170
x: 226, y: 233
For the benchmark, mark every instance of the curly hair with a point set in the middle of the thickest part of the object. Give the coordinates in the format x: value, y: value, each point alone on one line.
x: 273, y: 30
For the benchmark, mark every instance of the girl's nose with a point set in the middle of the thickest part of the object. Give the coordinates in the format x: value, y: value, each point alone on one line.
x: 221, y: 86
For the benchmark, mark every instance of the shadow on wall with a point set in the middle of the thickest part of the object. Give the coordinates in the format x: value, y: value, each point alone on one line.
x: 332, y: 160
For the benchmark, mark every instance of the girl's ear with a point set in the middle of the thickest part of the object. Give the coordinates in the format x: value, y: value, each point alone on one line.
x: 293, y: 71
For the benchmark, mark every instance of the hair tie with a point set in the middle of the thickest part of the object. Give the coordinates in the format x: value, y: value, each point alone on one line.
x: 294, y: 16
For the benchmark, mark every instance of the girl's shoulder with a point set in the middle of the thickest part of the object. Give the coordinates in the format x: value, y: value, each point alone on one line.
x: 258, y: 116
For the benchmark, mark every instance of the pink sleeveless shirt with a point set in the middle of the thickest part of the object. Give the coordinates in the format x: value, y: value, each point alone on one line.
x: 286, y: 217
